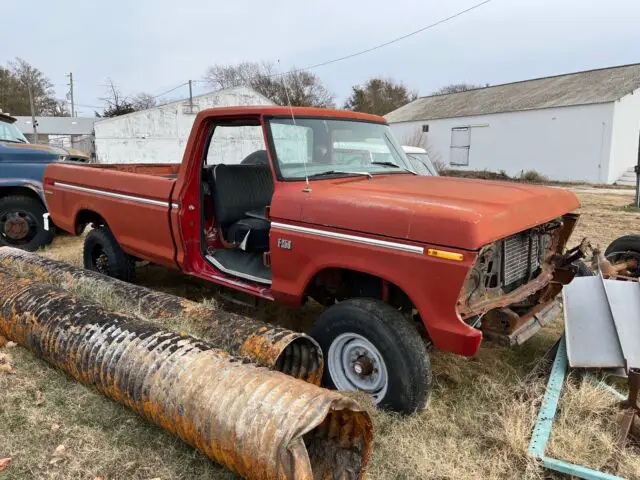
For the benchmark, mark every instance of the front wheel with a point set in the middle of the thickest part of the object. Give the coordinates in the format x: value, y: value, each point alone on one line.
x: 22, y: 223
x: 371, y: 347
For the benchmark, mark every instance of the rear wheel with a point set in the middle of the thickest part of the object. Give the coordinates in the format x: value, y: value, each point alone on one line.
x: 624, y: 249
x: 371, y: 347
x: 22, y: 223
x: 103, y: 254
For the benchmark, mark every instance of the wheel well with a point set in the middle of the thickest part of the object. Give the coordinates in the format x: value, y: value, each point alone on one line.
x: 22, y: 191
x: 335, y: 284
x: 86, y: 217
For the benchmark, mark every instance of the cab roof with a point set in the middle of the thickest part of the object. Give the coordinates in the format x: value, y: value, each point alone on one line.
x: 278, y: 111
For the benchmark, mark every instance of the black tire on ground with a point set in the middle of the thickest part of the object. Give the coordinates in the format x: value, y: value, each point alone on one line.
x: 581, y: 269
x: 103, y: 254
x: 404, y: 354
x: 22, y: 224
x: 627, y: 246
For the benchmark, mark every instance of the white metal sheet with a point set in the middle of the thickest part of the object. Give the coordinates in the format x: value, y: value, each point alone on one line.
x: 592, y: 339
x: 624, y: 302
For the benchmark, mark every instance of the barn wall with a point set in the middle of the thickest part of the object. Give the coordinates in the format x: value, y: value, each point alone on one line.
x: 567, y: 143
x: 626, y: 128
x: 160, y: 134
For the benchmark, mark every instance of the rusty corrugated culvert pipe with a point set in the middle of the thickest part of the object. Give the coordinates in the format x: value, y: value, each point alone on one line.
x: 257, y: 422
x: 290, y: 352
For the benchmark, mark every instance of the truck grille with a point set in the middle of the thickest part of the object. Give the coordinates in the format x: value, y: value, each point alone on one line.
x: 521, y: 257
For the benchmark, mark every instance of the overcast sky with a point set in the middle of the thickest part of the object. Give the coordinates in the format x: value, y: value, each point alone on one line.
x: 153, y: 45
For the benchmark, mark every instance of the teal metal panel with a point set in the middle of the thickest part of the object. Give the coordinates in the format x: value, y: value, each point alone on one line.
x: 542, y: 429
x: 577, y: 470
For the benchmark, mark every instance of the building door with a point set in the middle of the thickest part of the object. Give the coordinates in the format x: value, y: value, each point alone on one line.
x: 460, y: 144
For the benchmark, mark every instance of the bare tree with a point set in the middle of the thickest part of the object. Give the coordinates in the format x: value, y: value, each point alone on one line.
x: 117, y: 103
x: 300, y: 87
x: 143, y: 101
x: 379, y: 96
x: 457, y: 87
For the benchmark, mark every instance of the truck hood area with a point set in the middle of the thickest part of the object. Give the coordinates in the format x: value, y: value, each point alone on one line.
x: 456, y: 212
x: 28, y: 152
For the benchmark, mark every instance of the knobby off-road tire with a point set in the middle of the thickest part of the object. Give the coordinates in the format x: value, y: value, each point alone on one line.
x: 22, y: 224
x: 103, y: 254
x: 371, y: 347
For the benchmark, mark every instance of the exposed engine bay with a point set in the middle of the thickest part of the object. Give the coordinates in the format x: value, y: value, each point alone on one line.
x: 515, y: 280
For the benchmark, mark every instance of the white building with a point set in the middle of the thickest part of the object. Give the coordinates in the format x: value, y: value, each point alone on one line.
x: 580, y: 126
x: 160, y: 134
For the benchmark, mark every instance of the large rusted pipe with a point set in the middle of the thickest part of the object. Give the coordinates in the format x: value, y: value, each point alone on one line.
x: 290, y: 352
x: 257, y: 422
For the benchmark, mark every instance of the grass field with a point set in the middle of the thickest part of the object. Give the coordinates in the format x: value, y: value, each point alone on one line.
x: 477, y: 425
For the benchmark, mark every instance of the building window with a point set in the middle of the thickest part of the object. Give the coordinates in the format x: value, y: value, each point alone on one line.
x: 425, y: 128
x: 460, y: 145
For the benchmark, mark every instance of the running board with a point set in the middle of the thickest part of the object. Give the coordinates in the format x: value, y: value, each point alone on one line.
x: 216, y: 263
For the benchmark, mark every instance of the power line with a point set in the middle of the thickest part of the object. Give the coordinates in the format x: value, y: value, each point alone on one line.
x: 385, y: 44
x: 171, y: 90
x: 345, y: 57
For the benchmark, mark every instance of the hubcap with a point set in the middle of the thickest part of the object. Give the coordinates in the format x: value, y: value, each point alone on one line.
x: 354, y: 363
x: 100, y: 260
x: 16, y: 228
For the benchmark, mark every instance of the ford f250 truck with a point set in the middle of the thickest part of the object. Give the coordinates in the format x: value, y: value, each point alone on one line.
x: 291, y: 204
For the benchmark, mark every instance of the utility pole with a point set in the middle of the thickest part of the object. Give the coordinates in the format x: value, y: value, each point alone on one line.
x: 190, y: 98
x: 73, y: 105
x: 637, y: 170
x: 34, y: 123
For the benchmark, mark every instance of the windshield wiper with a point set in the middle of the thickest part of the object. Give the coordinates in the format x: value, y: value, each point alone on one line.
x: 339, y: 172
x: 391, y: 164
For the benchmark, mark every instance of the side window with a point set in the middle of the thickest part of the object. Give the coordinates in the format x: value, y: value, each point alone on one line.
x: 237, y: 144
x: 460, y: 145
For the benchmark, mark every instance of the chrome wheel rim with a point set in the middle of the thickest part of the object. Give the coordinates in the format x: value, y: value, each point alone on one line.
x: 355, y: 364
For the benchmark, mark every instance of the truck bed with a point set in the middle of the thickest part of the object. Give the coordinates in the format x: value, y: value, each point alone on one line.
x: 132, y: 200
x: 157, y: 169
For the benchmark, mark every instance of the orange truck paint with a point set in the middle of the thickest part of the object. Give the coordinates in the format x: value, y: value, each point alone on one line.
x: 421, y: 213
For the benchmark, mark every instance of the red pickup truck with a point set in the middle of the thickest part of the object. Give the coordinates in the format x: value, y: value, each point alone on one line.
x: 291, y: 204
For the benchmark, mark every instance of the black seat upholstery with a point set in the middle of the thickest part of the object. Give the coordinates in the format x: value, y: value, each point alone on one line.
x: 238, y: 189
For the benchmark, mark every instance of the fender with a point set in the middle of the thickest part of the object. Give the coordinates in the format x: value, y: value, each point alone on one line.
x: 432, y: 284
x: 35, y: 186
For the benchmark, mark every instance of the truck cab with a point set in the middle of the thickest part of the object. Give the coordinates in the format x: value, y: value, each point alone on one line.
x: 299, y: 204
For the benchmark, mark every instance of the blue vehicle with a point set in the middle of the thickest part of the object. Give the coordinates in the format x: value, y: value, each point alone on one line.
x: 23, y: 210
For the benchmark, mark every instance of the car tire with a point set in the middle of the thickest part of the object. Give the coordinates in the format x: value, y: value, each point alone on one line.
x: 103, y: 254
x: 363, y: 335
x: 627, y: 246
x: 20, y: 214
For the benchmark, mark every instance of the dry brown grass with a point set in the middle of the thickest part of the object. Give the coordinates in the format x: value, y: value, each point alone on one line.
x: 478, y: 423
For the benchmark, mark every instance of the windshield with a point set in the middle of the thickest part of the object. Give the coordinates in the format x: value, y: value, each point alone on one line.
x: 317, y: 148
x: 422, y: 165
x: 10, y: 133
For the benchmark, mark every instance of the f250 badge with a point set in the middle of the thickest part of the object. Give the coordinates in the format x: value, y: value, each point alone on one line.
x: 284, y: 243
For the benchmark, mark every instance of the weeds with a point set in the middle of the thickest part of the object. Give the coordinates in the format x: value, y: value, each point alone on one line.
x: 478, y: 423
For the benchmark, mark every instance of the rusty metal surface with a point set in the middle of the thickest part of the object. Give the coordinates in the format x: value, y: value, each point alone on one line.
x: 293, y: 353
x: 258, y: 423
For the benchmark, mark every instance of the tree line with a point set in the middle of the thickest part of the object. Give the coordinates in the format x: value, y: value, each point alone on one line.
x: 296, y: 87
